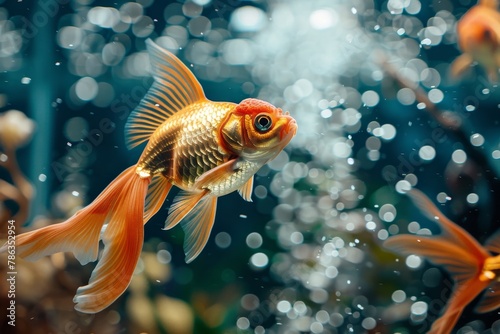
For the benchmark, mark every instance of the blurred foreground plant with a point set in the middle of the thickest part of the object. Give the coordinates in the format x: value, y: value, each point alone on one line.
x: 15, y: 131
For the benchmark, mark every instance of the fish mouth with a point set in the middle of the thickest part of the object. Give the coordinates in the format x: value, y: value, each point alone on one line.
x: 290, y: 129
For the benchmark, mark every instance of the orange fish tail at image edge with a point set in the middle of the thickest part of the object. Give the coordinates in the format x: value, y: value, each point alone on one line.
x: 472, y: 266
x: 207, y: 149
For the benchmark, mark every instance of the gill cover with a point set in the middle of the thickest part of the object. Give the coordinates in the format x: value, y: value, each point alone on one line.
x: 255, y: 128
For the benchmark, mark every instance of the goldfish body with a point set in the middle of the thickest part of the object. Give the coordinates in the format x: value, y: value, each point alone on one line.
x: 207, y: 149
x: 472, y: 266
x: 478, y: 34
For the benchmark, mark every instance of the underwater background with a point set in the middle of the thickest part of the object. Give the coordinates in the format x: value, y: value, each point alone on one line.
x: 368, y: 83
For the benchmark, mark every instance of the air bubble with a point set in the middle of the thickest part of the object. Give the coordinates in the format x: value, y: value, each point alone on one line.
x: 250, y: 302
x: 435, y: 95
x: 223, y: 240
x: 387, y: 212
x: 459, y: 156
x: 419, y: 308
x: 86, y: 88
x: 284, y: 306
x: 369, y: 323
x: 398, y: 296
x: 477, y: 139
x: 243, y: 323
x: 406, y: 96
x: 254, y: 240
x: 403, y: 186
x: 472, y: 198
x: 442, y: 197
x: 259, y: 260
x: 427, y: 153
x: 370, y: 98
x: 413, y: 261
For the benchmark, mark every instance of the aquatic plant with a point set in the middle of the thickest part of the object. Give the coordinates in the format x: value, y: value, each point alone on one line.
x: 15, y: 131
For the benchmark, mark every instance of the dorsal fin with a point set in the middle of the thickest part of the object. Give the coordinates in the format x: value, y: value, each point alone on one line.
x: 175, y: 88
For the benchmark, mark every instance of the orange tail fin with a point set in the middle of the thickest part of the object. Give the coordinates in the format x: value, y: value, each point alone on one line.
x: 456, y: 251
x: 121, y: 205
x: 460, y: 263
x: 491, y: 298
x: 462, y: 295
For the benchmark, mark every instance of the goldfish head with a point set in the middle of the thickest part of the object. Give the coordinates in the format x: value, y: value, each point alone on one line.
x: 479, y: 29
x: 257, y: 130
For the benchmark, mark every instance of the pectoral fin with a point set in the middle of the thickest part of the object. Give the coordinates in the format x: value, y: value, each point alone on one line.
x: 217, y: 174
x: 197, y: 226
x: 460, y: 65
x: 196, y: 212
x: 246, y: 190
x: 183, y: 203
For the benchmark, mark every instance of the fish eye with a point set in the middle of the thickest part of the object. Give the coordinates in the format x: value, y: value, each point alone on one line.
x: 263, y: 122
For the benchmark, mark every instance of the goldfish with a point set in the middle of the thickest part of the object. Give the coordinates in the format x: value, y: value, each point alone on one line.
x: 206, y: 149
x: 474, y: 268
x: 478, y: 34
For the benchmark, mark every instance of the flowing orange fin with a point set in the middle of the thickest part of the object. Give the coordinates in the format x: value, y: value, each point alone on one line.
x: 461, y: 297
x: 493, y: 243
x: 246, y: 190
x: 217, y: 174
x: 175, y: 88
x: 157, y: 193
x: 458, y: 252
x: 490, y: 300
x: 79, y: 234
x: 452, y: 231
x: 123, y: 239
x: 197, y: 227
x: 121, y: 205
x: 460, y: 65
x: 183, y: 203
x: 463, y: 267
x: 438, y: 250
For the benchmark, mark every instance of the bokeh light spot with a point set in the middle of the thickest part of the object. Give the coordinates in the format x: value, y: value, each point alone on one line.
x: 223, y: 240
x: 86, y: 88
x: 459, y: 156
x: 259, y: 260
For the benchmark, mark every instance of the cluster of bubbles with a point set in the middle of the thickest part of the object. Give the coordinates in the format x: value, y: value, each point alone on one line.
x: 312, y: 59
x: 102, y: 39
x: 305, y: 51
